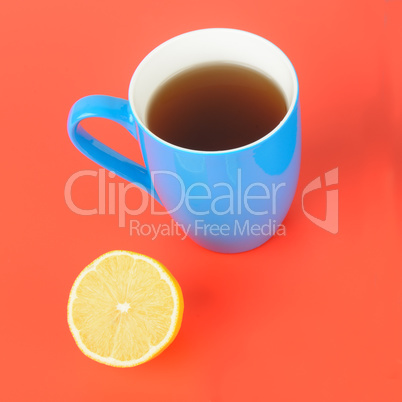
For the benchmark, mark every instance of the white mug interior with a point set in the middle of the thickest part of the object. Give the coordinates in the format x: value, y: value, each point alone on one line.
x: 209, y: 46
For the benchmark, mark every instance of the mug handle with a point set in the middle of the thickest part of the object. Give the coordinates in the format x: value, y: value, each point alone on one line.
x: 118, y: 110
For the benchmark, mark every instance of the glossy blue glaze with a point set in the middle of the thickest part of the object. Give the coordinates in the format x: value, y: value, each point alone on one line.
x: 201, y: 189
x: 115, y: 109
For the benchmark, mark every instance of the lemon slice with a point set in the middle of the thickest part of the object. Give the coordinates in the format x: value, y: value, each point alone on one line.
x: 124, y: 309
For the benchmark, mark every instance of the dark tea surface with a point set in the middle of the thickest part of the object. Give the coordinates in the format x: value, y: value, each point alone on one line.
x: 215, y: 107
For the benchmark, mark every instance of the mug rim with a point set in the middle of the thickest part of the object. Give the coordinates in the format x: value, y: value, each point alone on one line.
x: 250, y: 145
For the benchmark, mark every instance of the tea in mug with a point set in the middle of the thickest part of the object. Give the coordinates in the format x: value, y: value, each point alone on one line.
x: 214, y: 107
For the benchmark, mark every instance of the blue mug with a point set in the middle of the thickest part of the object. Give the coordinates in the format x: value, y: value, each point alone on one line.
x: 227, y: 201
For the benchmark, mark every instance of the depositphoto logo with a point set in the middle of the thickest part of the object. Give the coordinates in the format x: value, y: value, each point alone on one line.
x: 108, y: 191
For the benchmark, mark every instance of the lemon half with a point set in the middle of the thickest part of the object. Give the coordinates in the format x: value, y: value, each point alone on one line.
x: 124, y: 309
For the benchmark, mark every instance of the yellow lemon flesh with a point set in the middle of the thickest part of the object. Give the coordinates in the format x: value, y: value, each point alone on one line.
x: 124, y: 309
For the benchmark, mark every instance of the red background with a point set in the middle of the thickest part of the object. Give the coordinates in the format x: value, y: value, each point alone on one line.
x: 310, y: 316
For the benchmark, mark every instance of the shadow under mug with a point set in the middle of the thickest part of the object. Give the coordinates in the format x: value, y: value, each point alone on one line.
x: 227, y: 201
